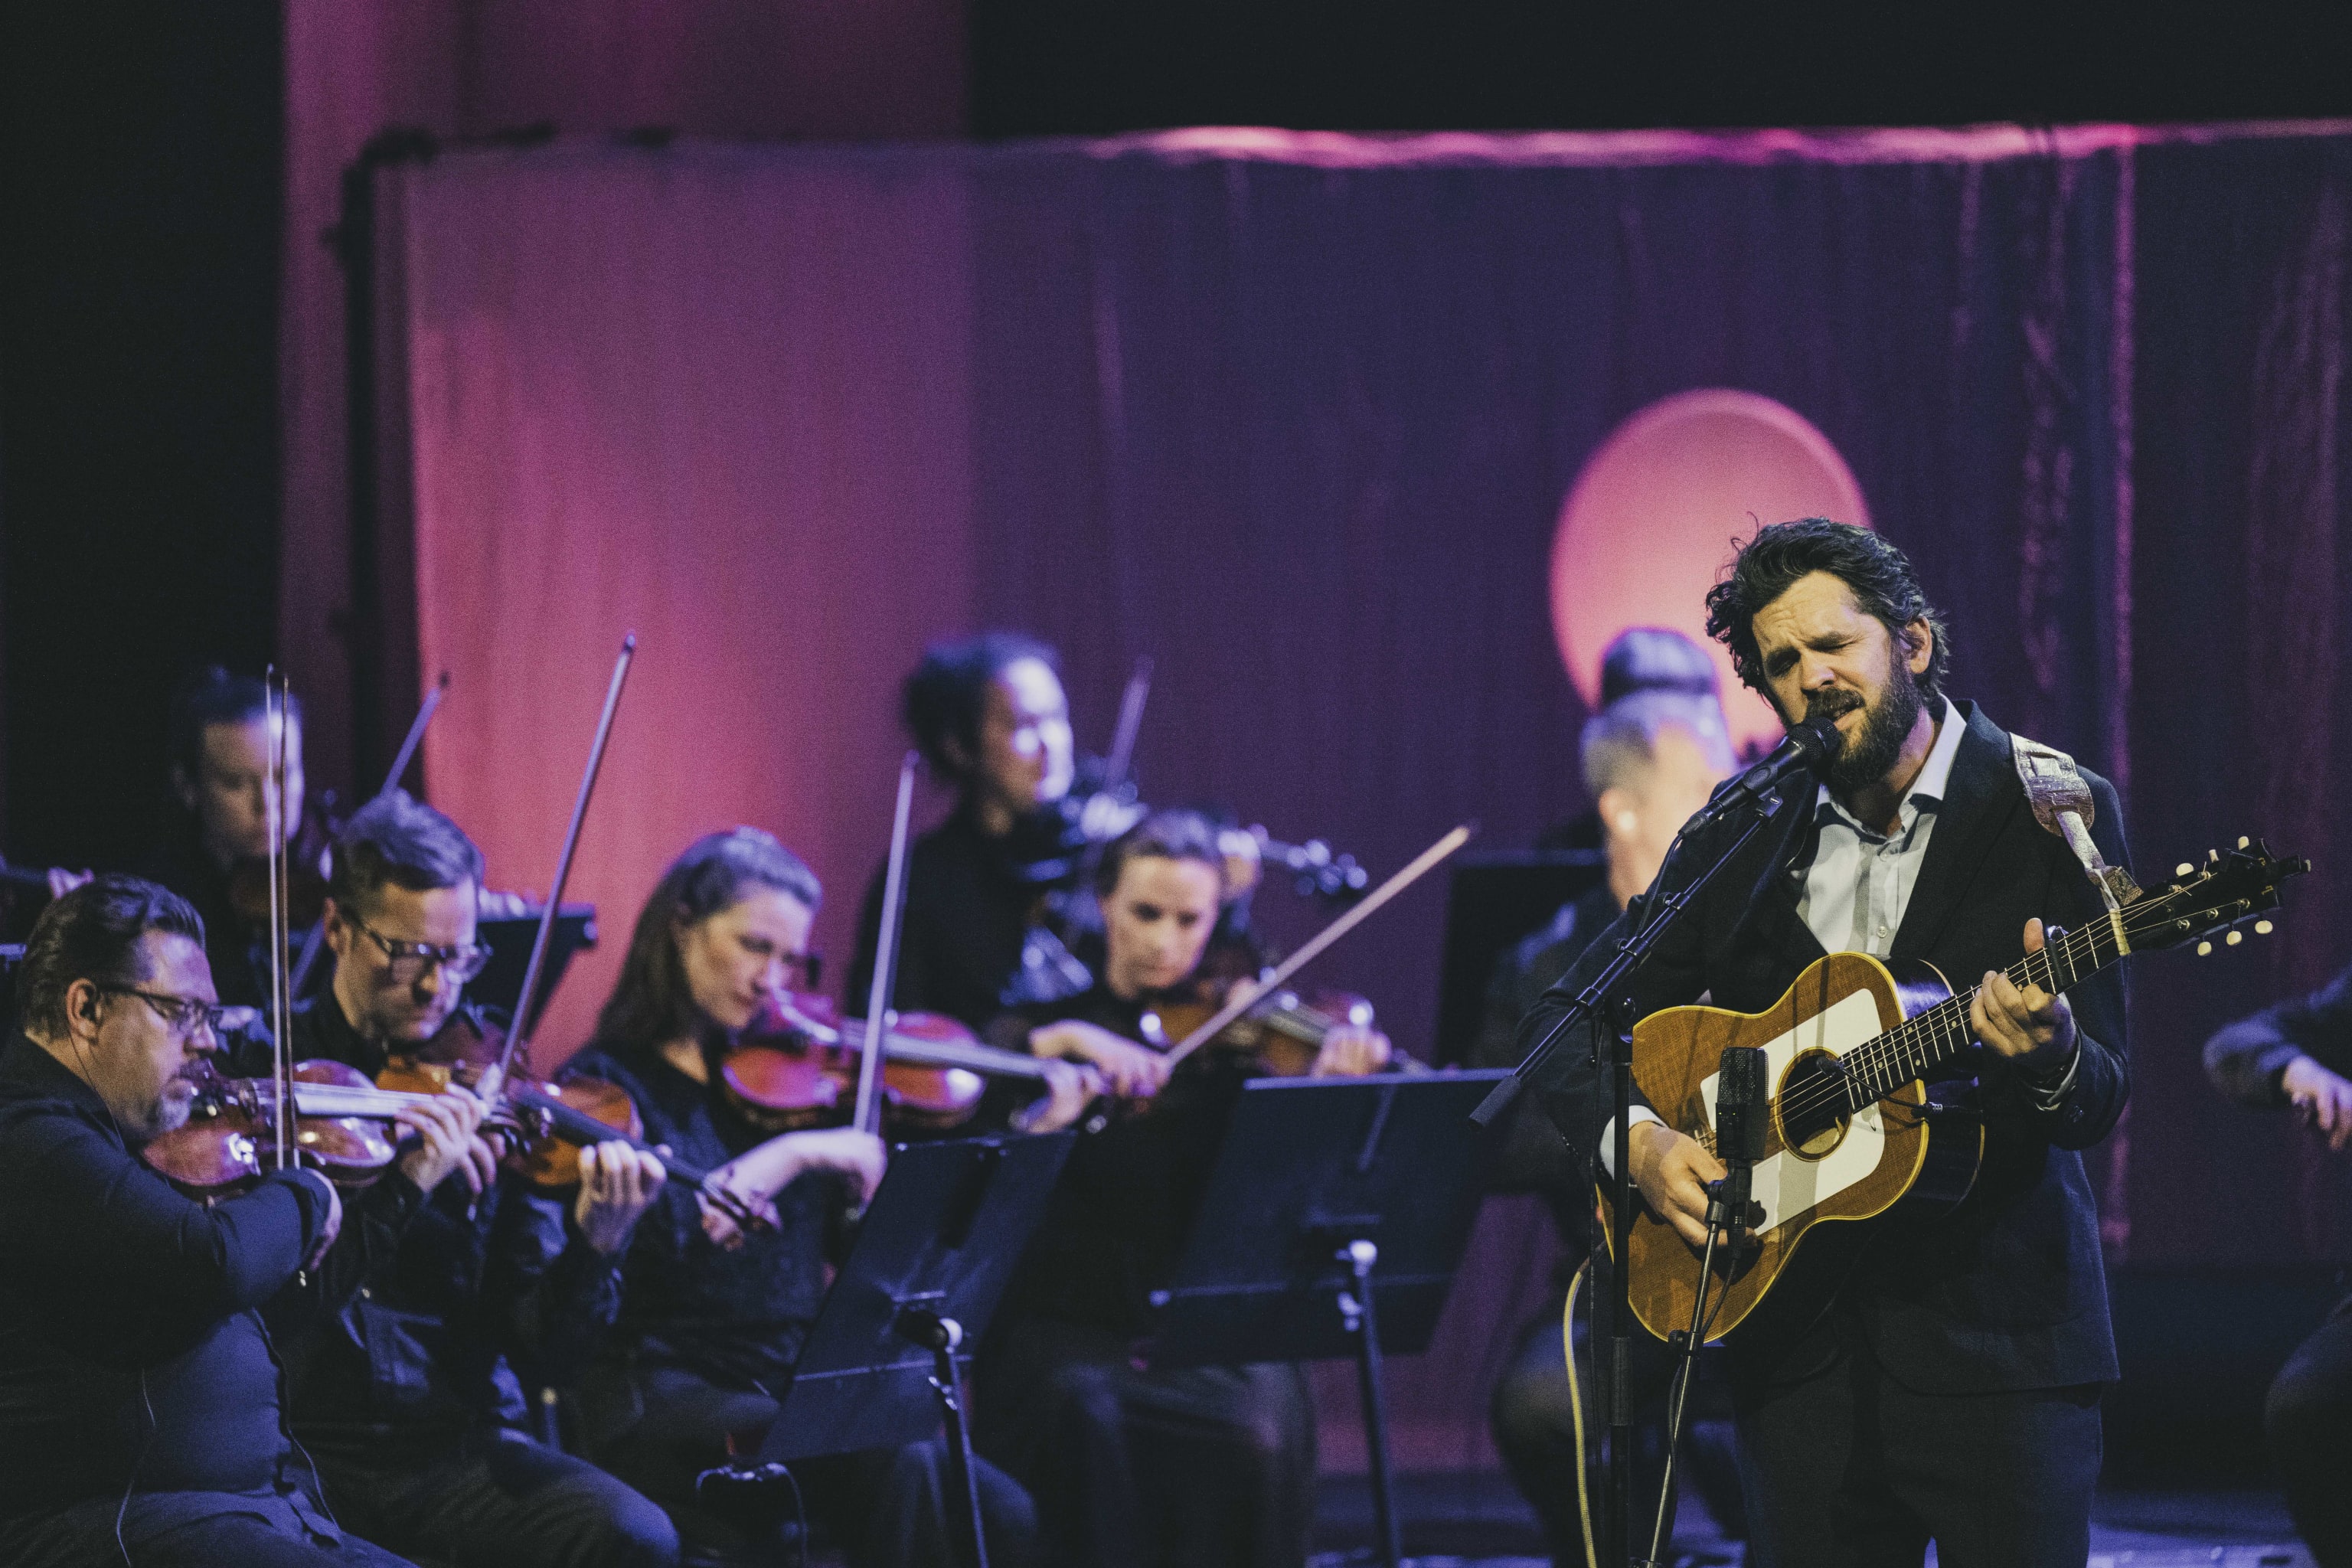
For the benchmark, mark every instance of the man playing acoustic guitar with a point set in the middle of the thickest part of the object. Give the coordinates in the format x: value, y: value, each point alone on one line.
x: 1950, y: 1389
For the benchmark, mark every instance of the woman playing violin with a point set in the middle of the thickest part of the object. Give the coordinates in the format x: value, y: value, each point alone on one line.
x: 406, y: 1396
x: 713, y: 1318
x: 988, y: 714
x: 1207, y: 1465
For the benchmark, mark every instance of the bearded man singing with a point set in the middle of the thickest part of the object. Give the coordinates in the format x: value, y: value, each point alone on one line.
x: 1950, y: 1391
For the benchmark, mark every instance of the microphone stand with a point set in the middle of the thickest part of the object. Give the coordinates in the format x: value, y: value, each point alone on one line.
x: 1607, y: 995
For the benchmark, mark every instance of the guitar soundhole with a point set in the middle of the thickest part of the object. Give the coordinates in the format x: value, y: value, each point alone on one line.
x: 1813, y: 1088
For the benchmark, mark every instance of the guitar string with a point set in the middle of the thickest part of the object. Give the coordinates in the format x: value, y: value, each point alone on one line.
x: 1942, y: 1030
x: 1940, y: 1026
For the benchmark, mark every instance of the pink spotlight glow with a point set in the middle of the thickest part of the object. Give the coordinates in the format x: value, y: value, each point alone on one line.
x: 1649, y: 525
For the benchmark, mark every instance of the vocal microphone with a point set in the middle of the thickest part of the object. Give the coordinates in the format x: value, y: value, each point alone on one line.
x: 1809, y: 748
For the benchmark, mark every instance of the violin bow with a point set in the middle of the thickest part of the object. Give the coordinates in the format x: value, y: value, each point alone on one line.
x: 315, y: 943
x: 495, y: 1078
x: 1131, y: 725
x: 1422, y: 866
x: 879, y: 1017
x: 281, y: 1064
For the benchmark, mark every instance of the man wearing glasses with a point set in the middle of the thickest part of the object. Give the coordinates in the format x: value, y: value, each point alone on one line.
x: 139, y: 1404
x: 407, y: 1398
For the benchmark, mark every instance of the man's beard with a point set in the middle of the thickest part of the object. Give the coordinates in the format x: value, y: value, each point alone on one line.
x: 1866, y: 759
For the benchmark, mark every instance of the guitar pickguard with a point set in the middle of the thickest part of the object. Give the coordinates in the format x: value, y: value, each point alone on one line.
x: 1787, y: 1184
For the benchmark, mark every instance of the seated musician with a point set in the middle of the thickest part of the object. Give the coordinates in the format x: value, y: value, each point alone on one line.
x: 1649, y: 761
x: 407, y: 1399
x: 988, y: 714
x: 1949, y: 1391
x: 220, y: 740
x: 1211, y: 1466
x: 138, y: 1406
x: 713, y: 1318
x: 2298, y: 1055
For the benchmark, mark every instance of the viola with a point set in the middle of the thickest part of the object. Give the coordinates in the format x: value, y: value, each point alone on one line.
x: 797, y: 1066
x: 340, y: 1129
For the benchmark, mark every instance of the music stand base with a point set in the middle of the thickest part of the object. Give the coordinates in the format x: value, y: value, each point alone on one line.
x: 1356, y: 1312
x: 942, y: 1336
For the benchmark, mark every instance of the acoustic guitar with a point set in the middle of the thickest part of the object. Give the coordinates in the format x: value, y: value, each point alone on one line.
x: 1850, y: 1050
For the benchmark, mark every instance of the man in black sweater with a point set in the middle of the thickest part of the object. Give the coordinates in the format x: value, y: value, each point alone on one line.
x: 140, y: 1416
x: 2295, y: 1055
x: 1950, y: 1390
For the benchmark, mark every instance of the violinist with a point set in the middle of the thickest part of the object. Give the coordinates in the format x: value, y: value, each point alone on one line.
x: 138, y: 1406
x: 988, y: 714
x: 712, y: 1319
x: 406, y: 1395
x: 218, y: 832
x: 1210, y: 1465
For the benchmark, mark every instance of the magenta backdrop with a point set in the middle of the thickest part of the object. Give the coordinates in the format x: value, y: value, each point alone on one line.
x: 1296, y: 414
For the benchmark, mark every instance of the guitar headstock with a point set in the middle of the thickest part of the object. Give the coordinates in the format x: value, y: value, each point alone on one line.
x: 2226, y: 891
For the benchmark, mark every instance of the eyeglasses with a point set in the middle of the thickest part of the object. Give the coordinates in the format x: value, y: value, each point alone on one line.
x: 408, y: 960
x: 184, y: 1015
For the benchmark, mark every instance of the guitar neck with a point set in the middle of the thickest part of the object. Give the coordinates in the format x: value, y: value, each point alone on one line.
x: 1920, y: 1045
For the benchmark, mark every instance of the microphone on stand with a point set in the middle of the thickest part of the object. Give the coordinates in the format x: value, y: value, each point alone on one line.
x: 1742, y: 1116
x: 1810, y: 747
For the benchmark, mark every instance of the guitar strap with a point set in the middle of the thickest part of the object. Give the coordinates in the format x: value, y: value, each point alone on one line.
x: 2061, y: 803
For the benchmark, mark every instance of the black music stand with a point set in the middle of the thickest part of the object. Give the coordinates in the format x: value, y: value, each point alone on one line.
x: 1331, y: 1227
x: 933, y: 1254
x: 509, y: 938
x: 1492, y: 902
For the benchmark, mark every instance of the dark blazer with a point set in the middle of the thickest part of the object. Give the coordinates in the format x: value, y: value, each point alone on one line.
x: 2005, y: 1291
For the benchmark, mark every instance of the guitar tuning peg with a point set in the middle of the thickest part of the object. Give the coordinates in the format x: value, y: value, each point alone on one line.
x: 2204, y: 948
x: 2234, y: 938
x: 2244, y: 843
x: 2213, y: 854
x: 2262, y: 928
x: 2183, y: 870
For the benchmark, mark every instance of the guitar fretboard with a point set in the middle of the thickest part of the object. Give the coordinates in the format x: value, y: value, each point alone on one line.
x: 1920, y: 1045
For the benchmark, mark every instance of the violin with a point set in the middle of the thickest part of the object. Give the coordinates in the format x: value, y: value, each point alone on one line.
x: 1284, y: 1032
x: 796, y: 1065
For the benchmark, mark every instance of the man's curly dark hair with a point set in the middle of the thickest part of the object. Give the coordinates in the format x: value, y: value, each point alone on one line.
x: 1769, y: 564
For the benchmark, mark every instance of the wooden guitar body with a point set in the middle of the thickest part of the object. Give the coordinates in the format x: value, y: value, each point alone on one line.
x: 1818, y: 1166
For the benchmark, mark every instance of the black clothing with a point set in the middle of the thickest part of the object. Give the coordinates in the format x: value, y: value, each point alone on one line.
x: 237, y: 948
x: 422, y: 1352
x: 406, y: 1392
x: 2007, y: 1293
x: 2308, y: 1414
x: 1535, y: 1158
x: 2307, y: 1418
x: 1853, y: 1467
x: 1116, y: 1226
x: 494, y: 1498
x: 707, y: 1334
x: 978, y: 936
x: 739, y: 1315
x: 1532, y: 1412
x: 284, y: 1526
x: 1207, y: 1465
x: 133, y: 1359
x: 1210, y: 1466
x: 2245, y: 1059
x: 887, y: 1506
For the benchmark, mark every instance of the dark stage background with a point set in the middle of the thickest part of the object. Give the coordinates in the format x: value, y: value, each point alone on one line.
x: 1295, y: 415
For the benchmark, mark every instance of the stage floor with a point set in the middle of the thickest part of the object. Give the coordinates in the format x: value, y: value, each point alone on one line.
x: 1475, y: 1520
